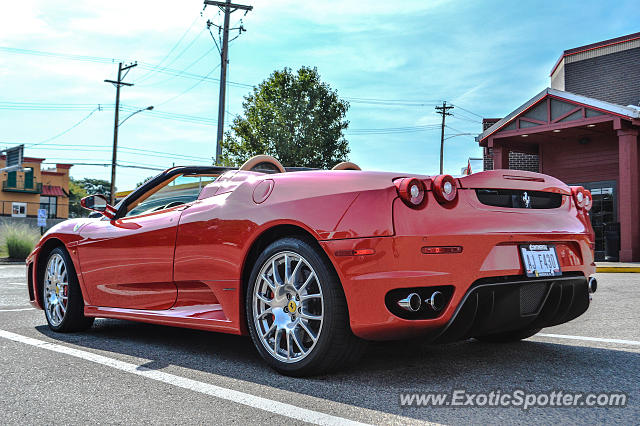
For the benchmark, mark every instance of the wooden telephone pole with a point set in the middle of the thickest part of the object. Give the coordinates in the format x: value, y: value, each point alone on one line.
x: 443, y: 110
x: 228, y: 8
x: 118, y: 83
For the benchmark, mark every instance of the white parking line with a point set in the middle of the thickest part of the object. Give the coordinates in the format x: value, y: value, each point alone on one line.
x: 590, y: 339
x: 249, y: 400
x: 16, y: 310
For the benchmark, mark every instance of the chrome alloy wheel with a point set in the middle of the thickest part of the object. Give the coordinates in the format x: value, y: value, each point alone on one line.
x: 288, y: 307
x: 56, y: 289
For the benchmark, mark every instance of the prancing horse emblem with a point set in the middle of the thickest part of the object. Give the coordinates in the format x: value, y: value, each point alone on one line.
x: 526, y: 200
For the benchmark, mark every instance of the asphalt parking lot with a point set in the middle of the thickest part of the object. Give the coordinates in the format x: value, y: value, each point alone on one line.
x: 125, y: 372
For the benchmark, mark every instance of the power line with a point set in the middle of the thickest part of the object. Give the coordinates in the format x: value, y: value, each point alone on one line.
x: 34, y: 106
x: 157, y: 67
x: 470, y: 112
x: 81, y: 58
x: 183, y: 71
x: 67, y: 130
x: 129, y: 151
x: 104, y: 60
x: 176, y: 116
x: 390, y: 102
x: 183, y: 74
x: 462, y: 117
x: 130, y: 108
x: 142, y: 77
x: 391, y: 130
x: 190, y: 88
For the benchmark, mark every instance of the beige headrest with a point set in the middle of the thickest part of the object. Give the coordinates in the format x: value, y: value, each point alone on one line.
x: 252, y: 162
x: 346, y: 165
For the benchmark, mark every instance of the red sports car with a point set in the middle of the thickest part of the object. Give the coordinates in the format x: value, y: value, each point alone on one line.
x: 311, y: 264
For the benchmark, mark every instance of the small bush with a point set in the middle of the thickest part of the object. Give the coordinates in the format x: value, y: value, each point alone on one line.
x: 18, y: 240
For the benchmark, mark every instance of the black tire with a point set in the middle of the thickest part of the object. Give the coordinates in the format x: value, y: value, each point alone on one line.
x: 335, y: 346
x: 509, y: 336
x: 73, y: 318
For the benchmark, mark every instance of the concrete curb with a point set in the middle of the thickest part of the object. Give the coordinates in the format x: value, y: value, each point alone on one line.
x: 614, y: 269
x: 7, y: 261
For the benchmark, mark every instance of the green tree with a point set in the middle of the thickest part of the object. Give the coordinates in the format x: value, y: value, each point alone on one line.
x: 79, y: 188
x: 76, y: 193
x: 293, y: 116
x: 96, y: 186
x: 139, y: 184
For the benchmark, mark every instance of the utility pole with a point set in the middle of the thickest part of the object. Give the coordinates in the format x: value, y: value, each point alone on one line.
x: 117, y: 84
x: 443, y: 110
x: 228, y: 8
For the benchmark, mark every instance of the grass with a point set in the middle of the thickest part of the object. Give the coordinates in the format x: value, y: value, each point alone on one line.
x: 17, y: 241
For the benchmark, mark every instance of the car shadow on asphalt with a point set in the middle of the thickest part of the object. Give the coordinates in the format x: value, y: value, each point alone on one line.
x: 386, y: 370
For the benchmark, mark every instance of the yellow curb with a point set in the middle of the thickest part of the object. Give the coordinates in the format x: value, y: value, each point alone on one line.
x: 618, y: 269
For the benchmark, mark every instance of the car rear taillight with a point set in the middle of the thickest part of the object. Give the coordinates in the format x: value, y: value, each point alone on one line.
x: 444, y: 188
x: 588, y: 200
x: 579, y: 196
x: 411, y: 191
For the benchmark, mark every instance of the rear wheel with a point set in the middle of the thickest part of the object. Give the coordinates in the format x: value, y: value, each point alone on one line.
x: 509, y: 336
x: 296, y: 311
x: 62, y: 297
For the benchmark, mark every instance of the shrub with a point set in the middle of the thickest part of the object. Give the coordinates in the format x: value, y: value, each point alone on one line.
x: 18, y: 240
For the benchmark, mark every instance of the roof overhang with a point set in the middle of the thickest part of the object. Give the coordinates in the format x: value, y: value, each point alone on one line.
x: 606, y: 108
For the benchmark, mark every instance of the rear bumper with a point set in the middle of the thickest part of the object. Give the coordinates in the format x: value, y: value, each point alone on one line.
x: 486, y: 260
x: 491, y: 307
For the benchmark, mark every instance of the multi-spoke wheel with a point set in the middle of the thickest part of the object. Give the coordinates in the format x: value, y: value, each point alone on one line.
x: 61, y: 294
x: 296, y: 311
x: 56, y: 289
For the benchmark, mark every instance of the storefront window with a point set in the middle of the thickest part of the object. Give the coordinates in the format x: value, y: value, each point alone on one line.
x: 19, y: 209
x: 50, y: 204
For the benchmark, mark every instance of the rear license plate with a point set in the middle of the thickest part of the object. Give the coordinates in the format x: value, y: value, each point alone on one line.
x: 540, y: 260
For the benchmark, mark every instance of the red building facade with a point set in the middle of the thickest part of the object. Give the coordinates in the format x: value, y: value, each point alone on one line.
x: 584, y: 140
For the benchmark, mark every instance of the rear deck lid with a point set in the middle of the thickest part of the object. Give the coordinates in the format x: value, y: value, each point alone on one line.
x: 514, y: 180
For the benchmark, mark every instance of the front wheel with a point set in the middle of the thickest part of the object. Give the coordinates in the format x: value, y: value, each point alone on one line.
x: 61, y: 294
x: 296, y: 310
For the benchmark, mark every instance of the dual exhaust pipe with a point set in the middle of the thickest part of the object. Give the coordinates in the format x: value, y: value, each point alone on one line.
x: 413, y: 302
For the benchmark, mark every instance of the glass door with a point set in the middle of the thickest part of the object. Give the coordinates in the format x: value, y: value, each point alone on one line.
x: 604, y: 217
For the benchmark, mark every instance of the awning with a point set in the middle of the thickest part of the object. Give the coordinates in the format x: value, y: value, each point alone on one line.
x: 52, y: 191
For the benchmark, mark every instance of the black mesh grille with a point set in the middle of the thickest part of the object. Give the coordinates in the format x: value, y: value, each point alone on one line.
x: 531, y: 296
x: 519, y: 199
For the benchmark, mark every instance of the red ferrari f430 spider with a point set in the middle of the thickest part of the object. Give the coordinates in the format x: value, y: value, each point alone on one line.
x: 311, y: 264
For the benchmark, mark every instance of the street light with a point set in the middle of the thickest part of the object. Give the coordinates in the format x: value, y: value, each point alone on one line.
x: 115, y: 151
x: 149, y: 108
x: 459, y: 134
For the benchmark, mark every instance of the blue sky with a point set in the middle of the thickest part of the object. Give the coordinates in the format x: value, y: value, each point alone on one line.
x: 486, y: 58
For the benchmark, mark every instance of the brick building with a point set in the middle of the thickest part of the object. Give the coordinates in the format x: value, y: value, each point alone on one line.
x: 24, y: 192
x: 583, y: 130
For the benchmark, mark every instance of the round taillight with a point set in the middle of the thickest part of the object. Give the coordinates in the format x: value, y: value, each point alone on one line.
x: 579, y: 196
x: 588, y: 200
x: 444, y: 188
x: 411, y: 191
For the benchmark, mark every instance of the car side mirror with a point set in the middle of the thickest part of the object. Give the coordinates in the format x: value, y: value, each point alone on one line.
x: 98, y: 203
